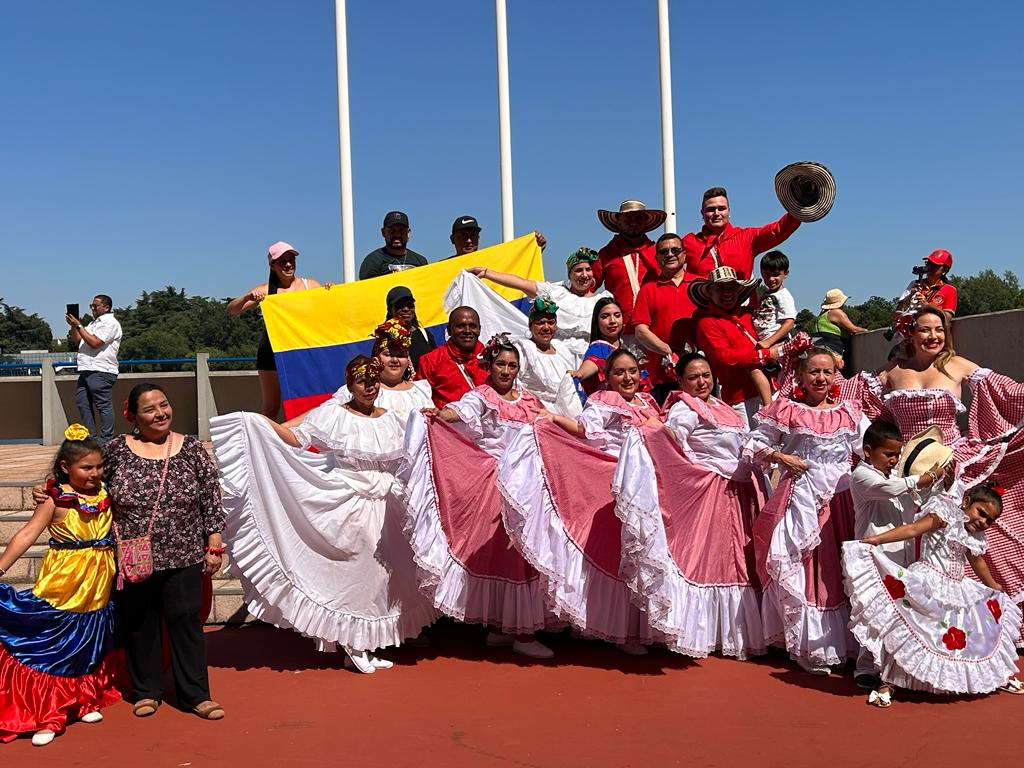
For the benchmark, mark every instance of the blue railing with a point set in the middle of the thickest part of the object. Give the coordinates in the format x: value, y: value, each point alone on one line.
x: 30, y: 368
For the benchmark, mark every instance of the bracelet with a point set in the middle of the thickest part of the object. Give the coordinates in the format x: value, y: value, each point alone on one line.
x: 3, y: 571
x: 214, y: 550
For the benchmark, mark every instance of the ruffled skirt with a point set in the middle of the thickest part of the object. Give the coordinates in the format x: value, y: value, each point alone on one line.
x: 797, y: 542
x: 560, y: 513
x: 688, y: 550
x: 55, y: 665
x: 318, y: 547
x: 467, y: 563
x: 926, y: 631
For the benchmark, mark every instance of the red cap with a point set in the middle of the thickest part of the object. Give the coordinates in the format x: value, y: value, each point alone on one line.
x: 941, y: 257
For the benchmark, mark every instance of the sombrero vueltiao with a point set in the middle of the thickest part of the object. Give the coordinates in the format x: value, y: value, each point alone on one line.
x: 806, y: 190
x: 923, y: 451
x: 610, y: 219
x: 700, y: 289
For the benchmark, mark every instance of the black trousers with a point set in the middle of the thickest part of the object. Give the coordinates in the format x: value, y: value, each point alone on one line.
x: 172, y: 597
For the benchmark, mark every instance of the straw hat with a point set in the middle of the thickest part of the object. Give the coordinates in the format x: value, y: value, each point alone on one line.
x: 806, y: 189
x: 923, y: 451
x: 834, y: 299
x: 612, y: 220
x: 700, y: 289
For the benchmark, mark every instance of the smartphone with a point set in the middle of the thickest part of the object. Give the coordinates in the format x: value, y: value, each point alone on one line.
x: 71, y: 309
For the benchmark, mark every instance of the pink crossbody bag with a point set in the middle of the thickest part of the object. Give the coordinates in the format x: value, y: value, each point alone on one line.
x: 135, y: 556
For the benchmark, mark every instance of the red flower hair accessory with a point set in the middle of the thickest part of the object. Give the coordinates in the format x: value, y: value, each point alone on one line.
x: 833, y: 393
x: 998, y: 490
x: 903, y: 324
x: 799, y: 393
x: 497, y: 343
x: 124, y: 410
x: 391, y: 333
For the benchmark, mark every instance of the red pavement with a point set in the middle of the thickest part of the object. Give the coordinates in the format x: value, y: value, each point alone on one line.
x: 458, y: 703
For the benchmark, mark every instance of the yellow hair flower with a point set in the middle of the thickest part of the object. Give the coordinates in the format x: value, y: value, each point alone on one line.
x: 76, y: 432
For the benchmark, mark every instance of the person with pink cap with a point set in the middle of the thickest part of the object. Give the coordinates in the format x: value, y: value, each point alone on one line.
x: 283, y: 279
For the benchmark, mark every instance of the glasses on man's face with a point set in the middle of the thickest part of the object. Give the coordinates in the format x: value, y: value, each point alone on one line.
x: 667, y: 251
x: 95, y: 305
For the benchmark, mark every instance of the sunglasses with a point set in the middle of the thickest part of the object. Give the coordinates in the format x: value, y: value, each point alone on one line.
x: 667, y: 251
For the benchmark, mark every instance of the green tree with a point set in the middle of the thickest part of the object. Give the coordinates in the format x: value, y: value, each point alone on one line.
x: 804, y: 319
x: 20, y: 330
x: 987, y: 292
x: 874, y: 313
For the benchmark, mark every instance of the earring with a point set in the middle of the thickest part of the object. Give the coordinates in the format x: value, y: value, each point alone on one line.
x: 833, y: 393
x: 799, y: 392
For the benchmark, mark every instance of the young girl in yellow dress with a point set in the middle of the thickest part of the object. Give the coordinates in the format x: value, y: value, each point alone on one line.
x: 55, y: 638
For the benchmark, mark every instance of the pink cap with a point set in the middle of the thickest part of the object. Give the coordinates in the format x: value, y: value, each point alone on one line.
x: 279, y: 249
x: 942, y: 257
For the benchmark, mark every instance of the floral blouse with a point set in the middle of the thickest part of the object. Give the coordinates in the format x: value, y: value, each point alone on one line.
x: 190, y: 507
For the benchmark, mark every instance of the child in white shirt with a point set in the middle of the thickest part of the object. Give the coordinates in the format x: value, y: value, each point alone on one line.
x: 881, y: 503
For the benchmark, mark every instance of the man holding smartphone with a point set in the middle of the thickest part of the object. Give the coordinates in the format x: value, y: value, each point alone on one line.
x: 97, y: 365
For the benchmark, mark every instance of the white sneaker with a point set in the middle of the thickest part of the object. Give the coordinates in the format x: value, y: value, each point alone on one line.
x: 632, y: 649
x: 499, y: 640
x: 359, y: 660
x: 42, y: 738
x: 379, y: 663
x: 534, y: 649
x: 92, y: 717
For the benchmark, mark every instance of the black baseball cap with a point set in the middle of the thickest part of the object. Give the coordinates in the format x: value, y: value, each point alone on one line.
x: 465, y: 222
x: 398, y: 293
x: 395, y: 217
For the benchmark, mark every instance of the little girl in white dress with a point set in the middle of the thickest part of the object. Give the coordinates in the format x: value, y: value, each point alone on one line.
x: 930, y: 627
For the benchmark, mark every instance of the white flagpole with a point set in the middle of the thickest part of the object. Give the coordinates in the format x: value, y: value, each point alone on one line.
x: 668, y: 159
x: 348, y: 241
x: 504, y: 123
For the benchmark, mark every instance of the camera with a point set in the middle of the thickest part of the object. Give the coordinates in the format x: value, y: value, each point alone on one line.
x: 920, y: 271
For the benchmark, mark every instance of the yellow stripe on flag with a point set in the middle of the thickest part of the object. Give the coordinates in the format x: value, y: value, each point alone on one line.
x: 350, y: 311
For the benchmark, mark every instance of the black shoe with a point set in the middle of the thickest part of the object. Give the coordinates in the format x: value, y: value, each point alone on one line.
x: 867, y: 681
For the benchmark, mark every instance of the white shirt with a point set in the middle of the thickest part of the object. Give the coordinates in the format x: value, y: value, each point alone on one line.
x: 882, y: 503
x: 103, y: 358
x: 775, y: 307
x: 575, y: 314
x: 547, y: 377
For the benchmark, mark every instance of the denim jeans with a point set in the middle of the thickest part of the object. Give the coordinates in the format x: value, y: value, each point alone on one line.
x: 94, y: 390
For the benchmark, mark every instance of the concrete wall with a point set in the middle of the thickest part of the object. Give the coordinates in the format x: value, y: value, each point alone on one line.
x: 995, y: 341
x: 21, y: 399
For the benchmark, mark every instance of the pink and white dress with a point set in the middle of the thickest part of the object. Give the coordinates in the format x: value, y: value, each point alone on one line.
x: 992, y: 449
x: 799, y: 533
x: 467, y: 564
x: 928, y: 626
x: 688, y: 507
x: 560, y: 512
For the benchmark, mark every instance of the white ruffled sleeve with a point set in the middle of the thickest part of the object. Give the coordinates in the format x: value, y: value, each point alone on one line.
x: 471, y: 408
x: 762, y: 442
x: 595, y: 420
x: 682, y: 420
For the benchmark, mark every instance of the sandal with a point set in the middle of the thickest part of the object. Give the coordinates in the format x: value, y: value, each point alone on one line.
x: 145, y: 707
x: 881, y: 698
x: 1014, y: 686
x: 209, y: 710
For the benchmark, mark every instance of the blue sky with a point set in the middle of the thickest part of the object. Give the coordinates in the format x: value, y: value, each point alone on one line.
x: 151, y: 144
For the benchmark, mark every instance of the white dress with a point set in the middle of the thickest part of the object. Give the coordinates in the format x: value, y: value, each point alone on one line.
x: 929, y: 626
x: 547, y: 377
x: 799, y: 533
x: 467, y: 563
x: 400, y: 401
x: 687, y: 507
x: 575, y: 315
x: 316, y: 539
x: 560, y: 513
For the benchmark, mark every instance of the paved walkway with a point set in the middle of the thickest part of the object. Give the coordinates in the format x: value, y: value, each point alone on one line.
x: 459, y: 704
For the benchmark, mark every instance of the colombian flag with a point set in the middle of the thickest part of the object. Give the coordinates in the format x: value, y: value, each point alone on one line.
x: 315, y: 333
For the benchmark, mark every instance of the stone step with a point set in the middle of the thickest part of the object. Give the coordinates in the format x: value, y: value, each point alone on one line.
x: 228, y: 605
x: 16, y: 495
x: 26, y: 568
x: 11, y: 522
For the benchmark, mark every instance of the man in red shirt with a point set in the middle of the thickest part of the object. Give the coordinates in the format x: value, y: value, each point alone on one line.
x: 454, y: 368
x: 659, y: 304
x: 628, y: 260
x: 725, y: 334
x: 720, y: 244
